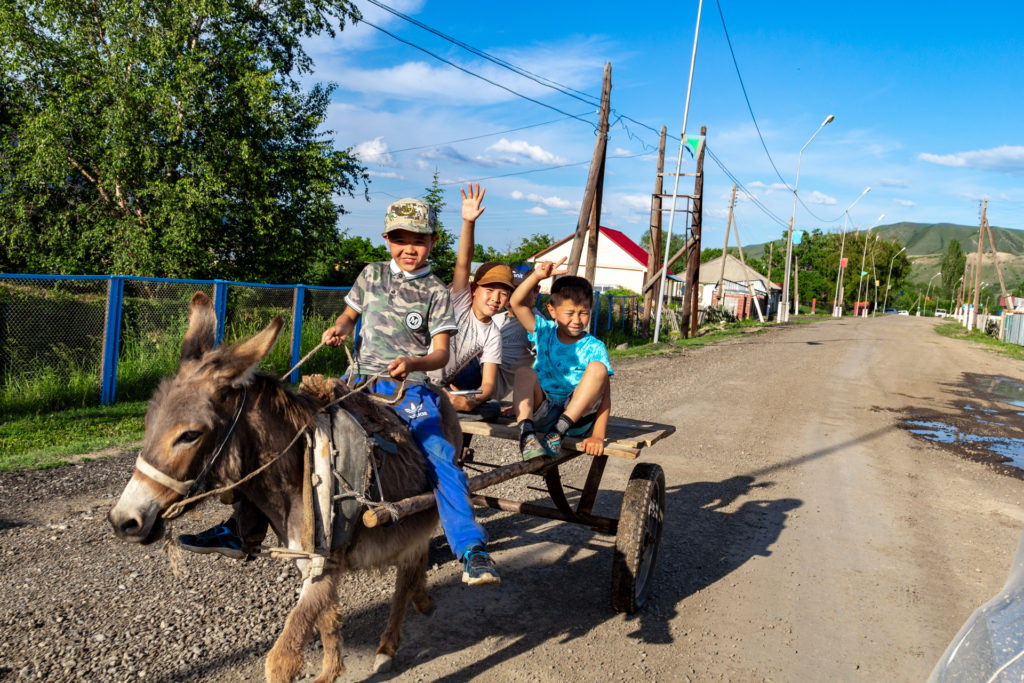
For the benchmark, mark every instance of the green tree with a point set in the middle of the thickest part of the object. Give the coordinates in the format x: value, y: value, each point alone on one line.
x: 168, y: 137
x: 677, y: 243
x: 952, y: 265
x: 442, y: 256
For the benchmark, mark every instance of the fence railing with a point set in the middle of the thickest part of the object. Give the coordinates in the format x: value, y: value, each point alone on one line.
x: 68, y: 339
x: 76, y: 336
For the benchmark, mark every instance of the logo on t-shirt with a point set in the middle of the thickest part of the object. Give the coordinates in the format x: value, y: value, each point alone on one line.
x: 414, y: 321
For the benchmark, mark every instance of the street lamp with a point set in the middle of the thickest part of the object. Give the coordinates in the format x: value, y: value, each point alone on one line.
x: 927, y: 292
x: 842, y: 245
x: 886, y: 301
x: 863, y: 260
x: 783, y: 315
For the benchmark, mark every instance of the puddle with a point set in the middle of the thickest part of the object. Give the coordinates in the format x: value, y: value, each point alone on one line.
x: 982, y: 423
x: 1010, y: 448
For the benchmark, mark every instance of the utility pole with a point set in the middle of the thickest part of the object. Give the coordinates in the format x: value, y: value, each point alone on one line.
x: 725, y: 250
x: 750, y: 285
x: 654, y: 253
x: 594, y: 178
x: 977, y: 271
x: 796, y: 285
x: 771, y: 256
x: 691, y: 296
x: 995, y: 260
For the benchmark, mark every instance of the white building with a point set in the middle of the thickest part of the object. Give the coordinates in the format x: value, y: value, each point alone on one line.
x: 621, y: 262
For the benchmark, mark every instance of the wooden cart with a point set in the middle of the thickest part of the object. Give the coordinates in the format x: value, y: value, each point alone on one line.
x: 638, y: 528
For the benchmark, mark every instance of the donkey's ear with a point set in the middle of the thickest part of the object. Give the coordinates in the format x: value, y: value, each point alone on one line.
x: 238, y: 361
x: 202, y: 327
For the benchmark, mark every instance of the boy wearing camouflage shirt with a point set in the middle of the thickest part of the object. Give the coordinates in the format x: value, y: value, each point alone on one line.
x: 407, y: 323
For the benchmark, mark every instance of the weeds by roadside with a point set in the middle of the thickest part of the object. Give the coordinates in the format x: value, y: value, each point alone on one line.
x: 955, y: 330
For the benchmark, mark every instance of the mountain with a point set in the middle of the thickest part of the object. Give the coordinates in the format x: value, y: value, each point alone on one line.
x: 926, y: 244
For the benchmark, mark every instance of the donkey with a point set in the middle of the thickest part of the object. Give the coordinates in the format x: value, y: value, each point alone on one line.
x: 218, y: 398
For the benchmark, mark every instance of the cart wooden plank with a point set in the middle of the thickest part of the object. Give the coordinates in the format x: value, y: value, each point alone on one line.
x: 625, y: 438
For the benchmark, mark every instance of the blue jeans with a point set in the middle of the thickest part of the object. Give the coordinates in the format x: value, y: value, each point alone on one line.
x: 419, y: 410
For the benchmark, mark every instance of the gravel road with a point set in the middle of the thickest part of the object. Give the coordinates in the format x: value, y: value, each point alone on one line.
x: 808, y: 537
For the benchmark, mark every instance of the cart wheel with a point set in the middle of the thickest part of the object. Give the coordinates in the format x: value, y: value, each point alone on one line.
x: 638, y: 537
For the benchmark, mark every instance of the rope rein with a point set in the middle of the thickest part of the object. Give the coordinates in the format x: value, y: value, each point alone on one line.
x: 177, y: 508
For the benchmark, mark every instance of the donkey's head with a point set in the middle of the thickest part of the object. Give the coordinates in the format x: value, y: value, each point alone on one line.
x: 190, y: 419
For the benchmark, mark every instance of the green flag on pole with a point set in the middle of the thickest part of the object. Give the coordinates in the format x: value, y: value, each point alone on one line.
x: 693, y: 143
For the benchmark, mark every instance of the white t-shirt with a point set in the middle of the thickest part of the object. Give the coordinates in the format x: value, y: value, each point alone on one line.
x: 474, y: 338
x: 516, y: 351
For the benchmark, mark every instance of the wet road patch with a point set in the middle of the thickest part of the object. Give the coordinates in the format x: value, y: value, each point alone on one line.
x: 984, y: 424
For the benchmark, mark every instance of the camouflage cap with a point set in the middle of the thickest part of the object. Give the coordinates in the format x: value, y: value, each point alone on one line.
x: 411, y: 214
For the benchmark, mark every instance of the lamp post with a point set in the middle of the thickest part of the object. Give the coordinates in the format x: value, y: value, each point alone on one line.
x: 836, y: 306
x: 783, y: 315
x: 886, y: 301
x: 928, y: 292
x: 863, y: 260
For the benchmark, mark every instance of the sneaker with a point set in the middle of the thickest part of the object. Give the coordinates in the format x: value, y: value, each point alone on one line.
x: 478, y: 568
x: 531, y: 448
x: 219, y: 539
x: 552, y: 443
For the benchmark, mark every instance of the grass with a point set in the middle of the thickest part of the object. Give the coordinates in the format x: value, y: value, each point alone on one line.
x: 955, y: 330
x: 48, y: 439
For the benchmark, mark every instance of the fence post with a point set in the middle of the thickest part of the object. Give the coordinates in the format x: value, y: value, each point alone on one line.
x: 611, y: 309
x: 298, y: 299
x: 596, y: 312
x: 220, y: 307
x: 111, y: 339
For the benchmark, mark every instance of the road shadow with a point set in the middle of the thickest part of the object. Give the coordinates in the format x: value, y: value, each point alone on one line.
x: 711, y: 529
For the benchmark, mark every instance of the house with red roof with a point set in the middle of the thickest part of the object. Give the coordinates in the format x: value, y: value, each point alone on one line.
x: 621, y: 262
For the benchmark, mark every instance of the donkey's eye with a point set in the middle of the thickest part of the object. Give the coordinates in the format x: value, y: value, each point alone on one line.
x: 188, y: 437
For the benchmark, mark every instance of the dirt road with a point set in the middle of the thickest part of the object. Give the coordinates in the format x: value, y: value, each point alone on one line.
x: 808, y: 537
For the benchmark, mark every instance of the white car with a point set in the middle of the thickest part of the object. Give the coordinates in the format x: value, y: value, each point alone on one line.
x: 904, y: 312
x: 941, y: 313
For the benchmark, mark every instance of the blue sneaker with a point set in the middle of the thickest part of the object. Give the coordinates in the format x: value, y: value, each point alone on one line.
x: 552, y: 443
x: 531, y: 448
x: 478, y: 568
x: 219, y: 539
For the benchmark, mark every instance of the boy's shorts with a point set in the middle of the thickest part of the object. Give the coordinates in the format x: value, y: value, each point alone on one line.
x: 547, y: 413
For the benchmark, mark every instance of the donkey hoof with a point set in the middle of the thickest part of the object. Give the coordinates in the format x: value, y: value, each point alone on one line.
x: 424, y: 608
x: 383, y: 663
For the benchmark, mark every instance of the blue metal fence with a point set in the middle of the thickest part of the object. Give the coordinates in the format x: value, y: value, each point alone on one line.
x: 1013, y: 328
x: 62, y: 324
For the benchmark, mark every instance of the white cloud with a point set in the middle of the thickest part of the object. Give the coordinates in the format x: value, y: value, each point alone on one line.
x: 448, y: 153
x: 521, y: 148
x: 620, y: 152
x: 636, y: 202
x: 537, y: 211
x: 1007, y: 159
x: 820, y: 198
x: 758, y: 185
x: 385, y: 174
x: 905, y: 202
x: 892, y: 182
x: 374, y: 151
x: 552, y: 202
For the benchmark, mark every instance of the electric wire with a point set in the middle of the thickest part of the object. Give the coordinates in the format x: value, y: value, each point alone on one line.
x: 539, y: 170
x: 477, y: 137
x: 476, y: 75
x: 541, y: 80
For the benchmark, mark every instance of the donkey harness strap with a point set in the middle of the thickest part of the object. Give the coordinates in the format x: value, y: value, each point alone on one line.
x: 179, y: 487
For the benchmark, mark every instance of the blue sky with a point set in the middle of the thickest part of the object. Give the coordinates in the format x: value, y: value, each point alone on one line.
x: 928, y: 101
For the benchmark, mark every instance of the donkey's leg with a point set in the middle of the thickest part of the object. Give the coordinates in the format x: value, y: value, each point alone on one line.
x: 420, y: 595
x: 411, y: 580
x: 329, y: 625
x: 285, y: 658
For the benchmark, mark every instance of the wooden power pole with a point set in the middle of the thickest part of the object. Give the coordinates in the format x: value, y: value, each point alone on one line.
x: 654, y: 255
x: 995, y: 261
x: 594, y: 180
x: 977, y: 269
x: 691, y: 296
x: 725, y: 250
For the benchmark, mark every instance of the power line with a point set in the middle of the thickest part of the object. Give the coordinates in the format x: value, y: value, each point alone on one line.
x: 485, y: 135
x: 539, y: 170
x: 476, y: 75
x: 757, y: 202
x: 541, y: 80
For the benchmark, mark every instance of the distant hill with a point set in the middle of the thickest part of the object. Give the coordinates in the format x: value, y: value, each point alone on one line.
x: 926, y: 244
